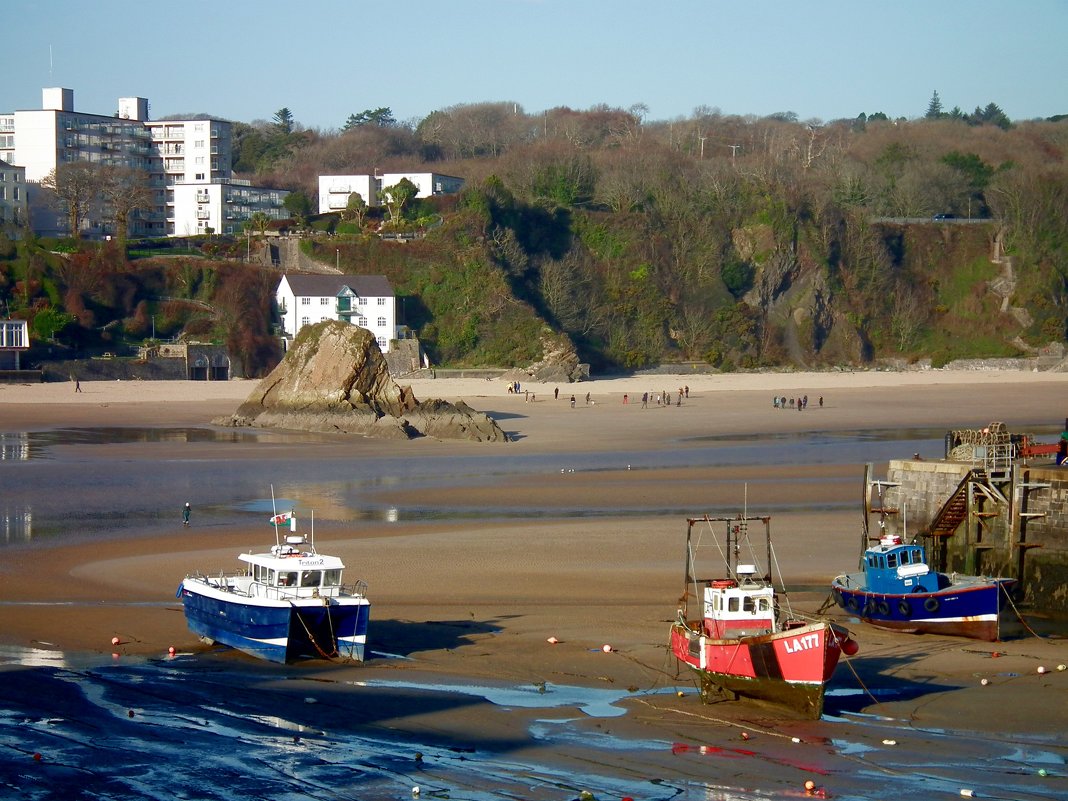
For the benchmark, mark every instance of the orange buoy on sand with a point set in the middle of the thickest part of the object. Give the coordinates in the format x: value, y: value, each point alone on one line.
x: 171, y: 650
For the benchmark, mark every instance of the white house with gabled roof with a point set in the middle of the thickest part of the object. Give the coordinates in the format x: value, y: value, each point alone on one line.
x: 364, y: 300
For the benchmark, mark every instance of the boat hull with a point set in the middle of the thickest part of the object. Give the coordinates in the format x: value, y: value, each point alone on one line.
x: 788, y: 668
x: 967, y: 609
x: 277, y: 630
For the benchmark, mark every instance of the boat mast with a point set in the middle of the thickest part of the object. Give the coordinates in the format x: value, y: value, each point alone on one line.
x: 274, y: 518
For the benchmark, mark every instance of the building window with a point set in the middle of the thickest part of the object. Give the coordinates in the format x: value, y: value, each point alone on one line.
x: 305, y: 301
x: 361, y: 301
x: 199, y: 176
x: 382, y: 343
x: 363, y: 322
x: 324, y: 301
x: 381, y: 322
x: 305, y: 320
x: 381, y: 301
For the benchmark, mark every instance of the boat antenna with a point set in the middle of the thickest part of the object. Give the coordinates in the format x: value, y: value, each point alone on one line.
x: 274, y: 517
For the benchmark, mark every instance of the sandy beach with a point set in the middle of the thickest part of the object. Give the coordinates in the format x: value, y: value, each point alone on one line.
x: 475, y: 600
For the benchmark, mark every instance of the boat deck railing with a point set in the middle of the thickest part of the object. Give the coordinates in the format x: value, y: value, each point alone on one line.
x: 243, y: 583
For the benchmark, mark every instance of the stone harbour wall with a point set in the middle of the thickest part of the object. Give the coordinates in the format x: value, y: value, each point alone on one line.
x: 1025, y: 537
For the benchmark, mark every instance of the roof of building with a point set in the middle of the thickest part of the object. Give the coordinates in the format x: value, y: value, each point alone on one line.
x: 321, y: 286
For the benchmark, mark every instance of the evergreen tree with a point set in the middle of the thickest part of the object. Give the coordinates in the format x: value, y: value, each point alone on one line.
x: 934, y: 108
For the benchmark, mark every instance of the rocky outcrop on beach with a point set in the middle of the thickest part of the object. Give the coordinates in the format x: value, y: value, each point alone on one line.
x: 335, y: 379
x: 559, y: 363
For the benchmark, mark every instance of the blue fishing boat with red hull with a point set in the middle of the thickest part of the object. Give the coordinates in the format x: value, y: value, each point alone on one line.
x: 897, y: 590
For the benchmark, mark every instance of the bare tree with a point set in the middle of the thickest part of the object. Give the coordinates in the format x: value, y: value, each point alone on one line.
x: 76, y: 184
x: 908, y: 313
x: 126, y: 191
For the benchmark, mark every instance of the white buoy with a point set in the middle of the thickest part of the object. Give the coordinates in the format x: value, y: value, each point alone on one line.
x: 985, y: 682
x: 967, y: 793
x: 606, y: 648
x: 1041, y: 670
x: 889, y: 742
x: 1062, y: 667
x: 552, y: 641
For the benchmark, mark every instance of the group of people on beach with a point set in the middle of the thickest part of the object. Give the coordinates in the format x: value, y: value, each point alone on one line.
x: 780, y: 402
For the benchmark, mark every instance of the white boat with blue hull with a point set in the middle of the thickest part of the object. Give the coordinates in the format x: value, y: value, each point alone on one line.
x: 288, y: 604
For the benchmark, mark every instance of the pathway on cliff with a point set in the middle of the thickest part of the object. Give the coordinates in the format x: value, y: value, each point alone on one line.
x: 292, y: 259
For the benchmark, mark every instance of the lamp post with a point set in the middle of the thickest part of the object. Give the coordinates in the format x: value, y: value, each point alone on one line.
x: 337, y: 261
x: 248, y: 245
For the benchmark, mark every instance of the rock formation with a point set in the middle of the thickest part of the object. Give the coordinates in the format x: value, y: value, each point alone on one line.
x: 334, y: 379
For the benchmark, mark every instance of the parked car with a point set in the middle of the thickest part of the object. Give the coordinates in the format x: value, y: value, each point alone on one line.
x: 945, y: 216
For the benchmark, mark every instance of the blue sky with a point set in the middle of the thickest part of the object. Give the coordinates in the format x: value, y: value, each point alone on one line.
x: 325, y: 59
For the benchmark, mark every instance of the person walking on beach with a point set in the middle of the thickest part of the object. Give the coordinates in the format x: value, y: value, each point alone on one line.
x: 556, y: 393
x: 572, y: 401
x: 185, y: 514
x: 77, y: 385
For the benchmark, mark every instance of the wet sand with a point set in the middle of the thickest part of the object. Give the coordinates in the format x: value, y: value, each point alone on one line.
x: 470, y: 602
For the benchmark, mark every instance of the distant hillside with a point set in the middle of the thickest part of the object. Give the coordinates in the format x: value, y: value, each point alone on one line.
x: 740, y: 242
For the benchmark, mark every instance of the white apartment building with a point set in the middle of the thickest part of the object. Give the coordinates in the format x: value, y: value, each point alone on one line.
x: 13, y: 204
x: 221, y: 208
x: 172, y: 152
x: 363, y: 300
x: 334, y: 190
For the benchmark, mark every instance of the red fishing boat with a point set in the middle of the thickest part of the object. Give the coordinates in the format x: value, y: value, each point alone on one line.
x: 746, y: 640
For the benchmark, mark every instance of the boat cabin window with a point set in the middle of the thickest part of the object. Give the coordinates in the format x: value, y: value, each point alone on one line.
x: 747, y: 604
x: 732, y: 603
x: 891, y: 560
x: 331, y: 578
x: 872, y: 561
x: 310, y: 578
x: 287, y: 579
x: 763, y: 604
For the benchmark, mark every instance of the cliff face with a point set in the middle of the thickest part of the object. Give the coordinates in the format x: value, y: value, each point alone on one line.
x: 335, y: 379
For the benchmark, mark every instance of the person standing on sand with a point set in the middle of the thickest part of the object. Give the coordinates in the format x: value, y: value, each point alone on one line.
x: 185, y: 514
x: 572, y: 401
x: 556, y: 393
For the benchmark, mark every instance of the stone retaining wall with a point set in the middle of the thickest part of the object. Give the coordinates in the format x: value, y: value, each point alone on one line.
x: 1026, y: 537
